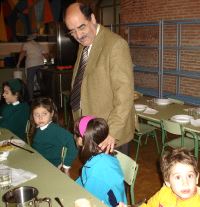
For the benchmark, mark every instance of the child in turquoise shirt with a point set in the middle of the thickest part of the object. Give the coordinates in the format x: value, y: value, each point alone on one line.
x: 101, y: 173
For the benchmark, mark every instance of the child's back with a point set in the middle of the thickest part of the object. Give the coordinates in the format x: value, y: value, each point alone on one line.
x: 103, y: 173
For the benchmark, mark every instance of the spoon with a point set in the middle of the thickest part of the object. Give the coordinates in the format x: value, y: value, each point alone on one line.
x: 59, y: 201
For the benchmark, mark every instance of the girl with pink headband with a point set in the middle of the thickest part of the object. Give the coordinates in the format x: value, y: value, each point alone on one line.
x: 101, y: 172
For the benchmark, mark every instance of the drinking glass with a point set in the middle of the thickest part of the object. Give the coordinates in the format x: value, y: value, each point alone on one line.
x: 195, y: 113
x: 5, y: 178
x: 151, y: 103
x: 190, y: 111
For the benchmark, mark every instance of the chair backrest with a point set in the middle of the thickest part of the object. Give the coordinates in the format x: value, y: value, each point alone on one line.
x: 129, y: 168
x: 137, y: 126
x: 172, y: 127
x: 63, y: 154
x: 154, y: 123
x: 27, y: 132
x: 196, y: 138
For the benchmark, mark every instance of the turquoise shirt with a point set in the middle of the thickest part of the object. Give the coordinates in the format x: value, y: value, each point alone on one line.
x: 101, y: 174
x: 15, y: 117
x: 49, y: 143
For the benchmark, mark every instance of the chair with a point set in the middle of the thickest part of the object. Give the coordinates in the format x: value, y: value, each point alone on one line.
x: 185, y: 139
x: 63, y: 155
x: 130, y: 169
x: 196, y: 138
x: 143, y: 129
x: 27, y: 132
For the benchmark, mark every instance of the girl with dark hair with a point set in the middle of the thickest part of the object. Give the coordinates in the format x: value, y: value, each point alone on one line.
x: 48, y: 138
x: 14, y: 111
x: 101, y: 173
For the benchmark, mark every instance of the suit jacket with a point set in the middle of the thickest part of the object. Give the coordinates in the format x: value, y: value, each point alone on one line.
x: 107, y: 86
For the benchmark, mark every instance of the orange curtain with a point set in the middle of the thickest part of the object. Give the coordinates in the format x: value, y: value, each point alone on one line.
x: 48, y: 16
x: 31, y: 13
x: 3, y: 33
x: 12, y: 3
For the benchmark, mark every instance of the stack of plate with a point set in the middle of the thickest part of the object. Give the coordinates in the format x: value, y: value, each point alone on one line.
x: 140, y: 107
x: 162, y: 101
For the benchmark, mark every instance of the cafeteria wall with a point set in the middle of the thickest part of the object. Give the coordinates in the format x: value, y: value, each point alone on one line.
x: 134, y: 11
x: 151, y: 10
x: 137, y: 11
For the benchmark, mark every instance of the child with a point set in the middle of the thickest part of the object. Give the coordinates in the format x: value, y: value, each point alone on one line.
x: 48, y: 138
x: 180, y: 174
x: 15, y: 110
x: 101, y: 173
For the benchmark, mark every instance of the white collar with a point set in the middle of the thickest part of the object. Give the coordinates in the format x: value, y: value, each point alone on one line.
x: 98, y: 28
x: 15, y: 103
x: 45, y: 126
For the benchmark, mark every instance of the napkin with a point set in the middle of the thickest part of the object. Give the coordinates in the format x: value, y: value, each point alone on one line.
x: 4, y: 155
x: 19, y: 176
x: 150, y: 111
x: 188, y: 109
x: 195, y: 122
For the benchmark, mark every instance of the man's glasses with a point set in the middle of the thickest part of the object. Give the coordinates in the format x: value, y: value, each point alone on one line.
x: 74, y: 32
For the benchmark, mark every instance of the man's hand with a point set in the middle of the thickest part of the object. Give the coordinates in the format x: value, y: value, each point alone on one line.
x: 108, y: 144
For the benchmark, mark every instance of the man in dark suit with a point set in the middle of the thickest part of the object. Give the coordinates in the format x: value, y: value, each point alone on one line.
x: 107, y: 84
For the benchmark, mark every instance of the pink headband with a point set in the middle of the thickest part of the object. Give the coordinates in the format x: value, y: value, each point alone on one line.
x: 83, y: 124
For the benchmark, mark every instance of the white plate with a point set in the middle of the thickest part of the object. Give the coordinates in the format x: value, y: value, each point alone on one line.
x: 184, y: 119
x: 162, y: 101
x: 18, y: 142
x: 140, y: 107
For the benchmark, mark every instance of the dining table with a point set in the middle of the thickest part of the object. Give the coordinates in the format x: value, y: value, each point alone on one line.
x: 50, y: 181
x: 166, y: 112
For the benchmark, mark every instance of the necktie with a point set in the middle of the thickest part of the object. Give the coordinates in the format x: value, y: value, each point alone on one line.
x: 76, y: 90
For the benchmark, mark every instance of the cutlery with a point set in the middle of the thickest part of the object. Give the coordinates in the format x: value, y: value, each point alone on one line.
x: 15, y: 145
x: 59, y: 202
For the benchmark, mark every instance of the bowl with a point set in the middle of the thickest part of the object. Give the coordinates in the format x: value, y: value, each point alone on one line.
x: 162, y: 101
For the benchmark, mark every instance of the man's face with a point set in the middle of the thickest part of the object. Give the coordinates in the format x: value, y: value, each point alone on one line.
x: 82, y: 29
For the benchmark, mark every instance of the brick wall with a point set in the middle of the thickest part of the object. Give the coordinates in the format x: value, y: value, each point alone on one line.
x: 155, y: 10
x: 151, y: 10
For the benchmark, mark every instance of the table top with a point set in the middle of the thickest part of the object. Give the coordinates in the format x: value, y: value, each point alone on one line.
x: 166, y: 112
x: 50, y: 181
